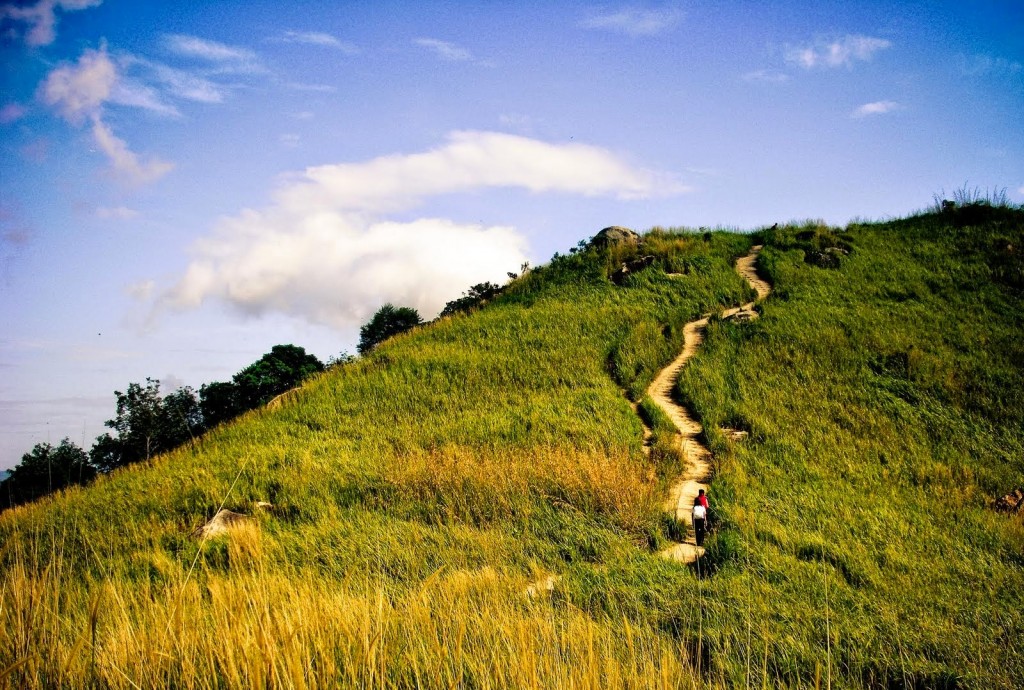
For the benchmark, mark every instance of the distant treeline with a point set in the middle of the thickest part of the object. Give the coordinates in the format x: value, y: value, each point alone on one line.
x: 148, y: 423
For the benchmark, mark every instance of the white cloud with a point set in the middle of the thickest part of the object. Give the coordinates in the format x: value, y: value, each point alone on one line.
x: 318, y: 38
x: 322, y: 252
x: 220, y: 56
x: 636, y: 22
x: 841, y: 52
x: 41, y: 18
x: 12, y: 112
x: 78, y: 92
x: 290, y: 140
x: 337, y: 269
x: 444, y: 49
x: 473, y: 160
x: 116, y: 213
x: 875, y: 108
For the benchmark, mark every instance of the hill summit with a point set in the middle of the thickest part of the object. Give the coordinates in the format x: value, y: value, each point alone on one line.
x: 481, y: 501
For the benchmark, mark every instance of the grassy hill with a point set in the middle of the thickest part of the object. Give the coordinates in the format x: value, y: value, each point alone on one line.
x: 418, y: 491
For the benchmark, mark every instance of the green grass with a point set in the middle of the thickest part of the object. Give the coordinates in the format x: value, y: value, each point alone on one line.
x: 418, y: 491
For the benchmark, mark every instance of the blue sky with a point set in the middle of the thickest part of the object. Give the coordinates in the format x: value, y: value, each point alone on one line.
x: 185, y: 185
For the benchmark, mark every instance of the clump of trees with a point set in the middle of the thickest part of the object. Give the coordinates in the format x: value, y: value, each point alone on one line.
x: 148, y: 423
x: 44, y: 469
x: 388, y: 321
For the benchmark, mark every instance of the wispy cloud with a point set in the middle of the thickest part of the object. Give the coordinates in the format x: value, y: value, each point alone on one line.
x: 116, y: 213
x: 183, y: 84
x: 323, y: 236
x: 40, y: 19
x: 988, y: 65
x: 318, y: 38
x: 12, y: 112
x: 875, y: 108
x: 444, y: 49
x: 312, y: 88
x: 124, y: 160
x: 141, y: 290
x: 135, y: 94
x: 842, y: 52
x: 221, y: 57
x: 767, y: 76
x: 634, y: 21
x: 78, y: 91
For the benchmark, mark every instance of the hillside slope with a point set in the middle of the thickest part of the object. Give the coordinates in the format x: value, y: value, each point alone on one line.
x: 419, y: 490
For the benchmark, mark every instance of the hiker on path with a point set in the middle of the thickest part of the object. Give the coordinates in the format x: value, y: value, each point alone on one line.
x: 700, y: 516
x: 703, y: 499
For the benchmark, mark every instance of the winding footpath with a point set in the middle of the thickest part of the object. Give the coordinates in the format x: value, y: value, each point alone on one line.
x: 696, y: 456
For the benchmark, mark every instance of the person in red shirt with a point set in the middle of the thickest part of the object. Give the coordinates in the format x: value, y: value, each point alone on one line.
x: 702, y: 498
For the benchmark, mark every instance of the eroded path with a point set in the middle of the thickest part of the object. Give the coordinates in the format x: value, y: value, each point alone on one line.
x: 696, y: 456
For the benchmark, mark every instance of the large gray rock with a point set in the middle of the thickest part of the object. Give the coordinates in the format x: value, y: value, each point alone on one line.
x: 614, y: 235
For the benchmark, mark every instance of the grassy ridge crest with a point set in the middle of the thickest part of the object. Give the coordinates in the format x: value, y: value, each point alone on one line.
x: 419, y: 489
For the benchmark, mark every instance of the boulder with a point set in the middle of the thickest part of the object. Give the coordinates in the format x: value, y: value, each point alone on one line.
x: 631, y: 267
x: 1011, y: 502
x: 614, y: 235
x: 220, y: 523
x: 821, y: 259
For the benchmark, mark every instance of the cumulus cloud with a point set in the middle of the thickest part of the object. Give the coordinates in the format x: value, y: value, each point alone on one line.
x: 473, y: 160
x: 444, y: 49
x: 40, y: 19
x: 336, y: 269
x: 318, y: 38
x: 875, y: 108
x: 323, y: 252
x: 841, y: 52
x: 636, y: 22
x: 77, y: 92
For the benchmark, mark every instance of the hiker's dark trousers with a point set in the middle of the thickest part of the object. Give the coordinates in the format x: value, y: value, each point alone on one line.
x: 700, y: 529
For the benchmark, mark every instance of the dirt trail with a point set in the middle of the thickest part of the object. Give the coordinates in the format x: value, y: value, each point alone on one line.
x: 695, y: 454
x: 698, y: 458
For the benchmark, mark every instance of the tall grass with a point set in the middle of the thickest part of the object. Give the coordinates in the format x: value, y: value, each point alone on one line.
x: 418, y: 491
